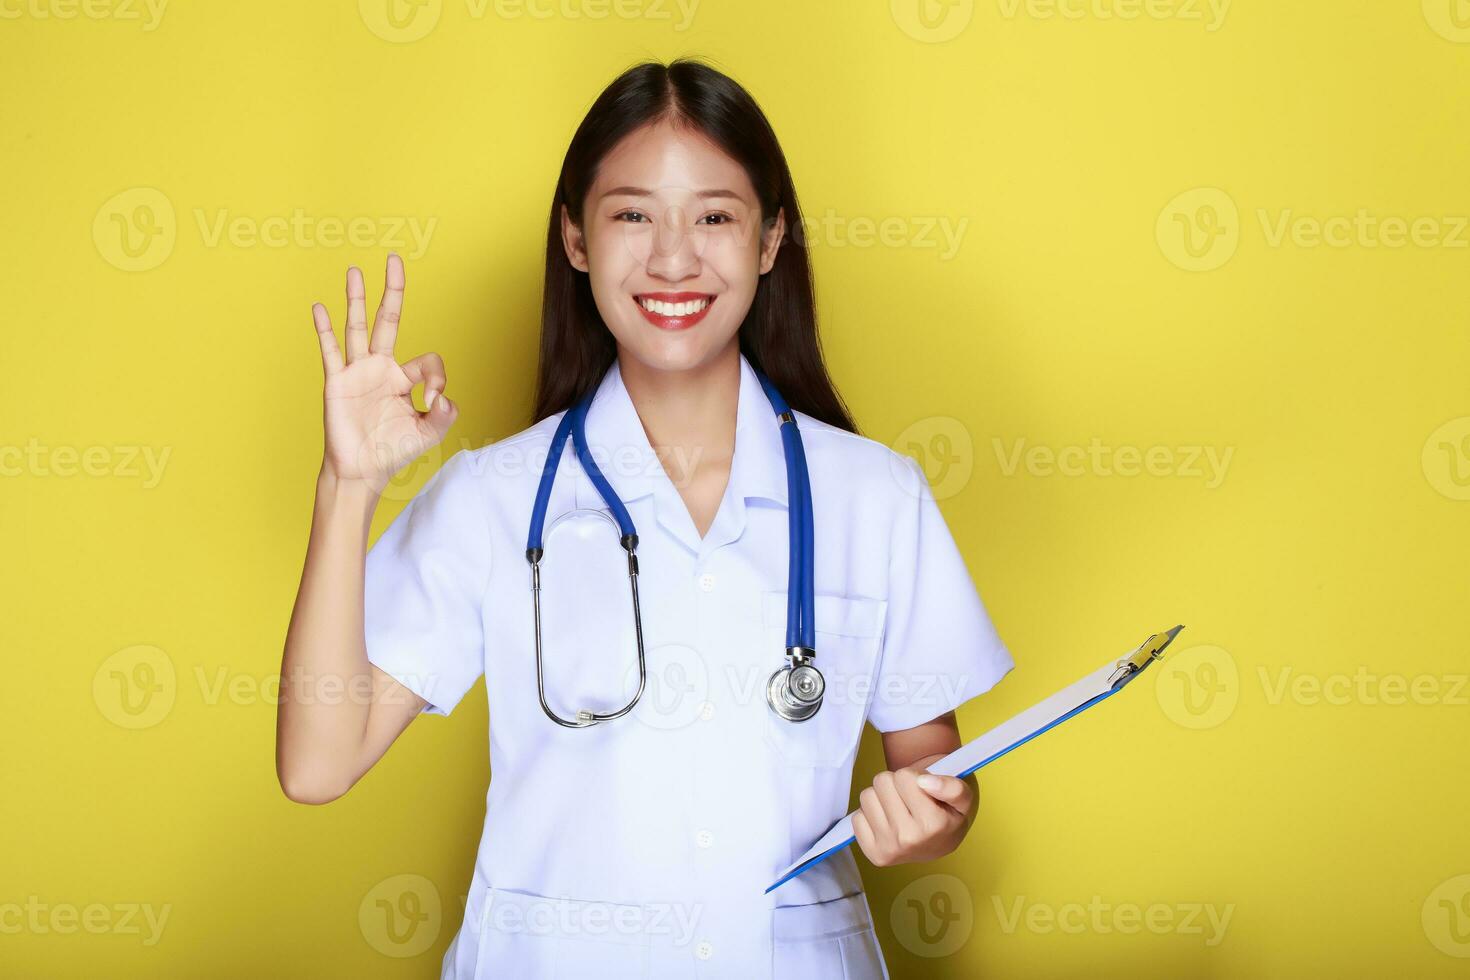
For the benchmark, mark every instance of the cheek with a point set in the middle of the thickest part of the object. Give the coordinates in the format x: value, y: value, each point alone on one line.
x: 610, y: 266
x: 733, y: 261
x: 609, y: 259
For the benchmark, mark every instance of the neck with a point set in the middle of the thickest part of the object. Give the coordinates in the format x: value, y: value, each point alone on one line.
x: 688, y: 416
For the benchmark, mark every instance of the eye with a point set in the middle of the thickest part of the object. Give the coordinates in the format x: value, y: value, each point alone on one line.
x: 632, y: 217
x: 717, y: 218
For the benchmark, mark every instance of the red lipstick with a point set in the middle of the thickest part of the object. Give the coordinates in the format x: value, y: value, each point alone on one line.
x: 674, y: 310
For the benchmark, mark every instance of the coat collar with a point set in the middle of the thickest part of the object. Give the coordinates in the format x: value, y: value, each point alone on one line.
x: 622, y: 451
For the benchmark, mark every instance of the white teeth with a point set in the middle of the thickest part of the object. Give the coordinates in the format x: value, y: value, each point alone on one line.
x: 673, y: 309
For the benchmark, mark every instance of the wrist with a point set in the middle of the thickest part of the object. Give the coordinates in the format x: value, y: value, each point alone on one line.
x: 335, y: 491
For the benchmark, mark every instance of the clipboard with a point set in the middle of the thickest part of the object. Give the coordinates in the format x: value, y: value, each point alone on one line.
x: 1041, y: 717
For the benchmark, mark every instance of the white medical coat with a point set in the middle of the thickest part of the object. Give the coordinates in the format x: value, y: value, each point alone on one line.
x: 641, y: 847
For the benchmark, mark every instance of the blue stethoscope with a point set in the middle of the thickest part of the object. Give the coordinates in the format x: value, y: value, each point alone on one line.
x: 795, y: 690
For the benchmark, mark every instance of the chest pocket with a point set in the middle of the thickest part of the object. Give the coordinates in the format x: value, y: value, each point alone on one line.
x: 849, y: 631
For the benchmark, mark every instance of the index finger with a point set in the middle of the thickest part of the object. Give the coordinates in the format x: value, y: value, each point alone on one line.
x: 331, y: 355
x: 385, y: 324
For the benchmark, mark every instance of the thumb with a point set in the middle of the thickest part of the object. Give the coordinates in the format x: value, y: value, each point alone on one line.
x: 439, y: 417
x: 947, y: 789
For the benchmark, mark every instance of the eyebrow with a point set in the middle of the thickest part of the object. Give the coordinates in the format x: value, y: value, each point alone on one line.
x: 626, y: 191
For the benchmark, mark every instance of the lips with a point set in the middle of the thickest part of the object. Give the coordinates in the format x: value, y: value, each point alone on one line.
x: 674, y: 310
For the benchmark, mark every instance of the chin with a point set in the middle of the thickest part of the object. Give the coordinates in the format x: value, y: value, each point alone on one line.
x: 672, y: 352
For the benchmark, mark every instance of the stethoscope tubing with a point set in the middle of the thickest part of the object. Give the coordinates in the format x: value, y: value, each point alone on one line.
x: 800, y: 598
x: 801, y: 585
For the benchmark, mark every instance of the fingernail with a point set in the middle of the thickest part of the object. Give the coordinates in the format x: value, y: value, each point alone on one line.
x: 444, y: 403
x: 429, y: 400
x: 929, y: 781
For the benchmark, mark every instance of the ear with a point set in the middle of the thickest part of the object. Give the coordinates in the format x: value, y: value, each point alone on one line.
x: 771, y: 240
x: 573, y: 241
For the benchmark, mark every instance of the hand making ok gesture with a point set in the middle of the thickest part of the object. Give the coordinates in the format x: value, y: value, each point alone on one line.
x: 372, y: 427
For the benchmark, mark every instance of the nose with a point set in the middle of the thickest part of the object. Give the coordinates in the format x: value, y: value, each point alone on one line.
x: 675, y: 254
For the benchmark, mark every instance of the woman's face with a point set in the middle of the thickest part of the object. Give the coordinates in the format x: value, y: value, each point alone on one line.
x: 671, y: 240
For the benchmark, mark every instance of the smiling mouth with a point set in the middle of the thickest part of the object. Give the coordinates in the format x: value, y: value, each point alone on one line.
x: 674, y: 311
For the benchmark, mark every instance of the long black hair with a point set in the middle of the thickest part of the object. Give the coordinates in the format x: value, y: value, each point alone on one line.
x: 778, y: 335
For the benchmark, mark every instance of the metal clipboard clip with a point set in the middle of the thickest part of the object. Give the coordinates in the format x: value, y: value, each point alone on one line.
x: 1150, y: 650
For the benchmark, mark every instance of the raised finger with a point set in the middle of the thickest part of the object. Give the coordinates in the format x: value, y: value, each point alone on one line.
x: 331, y: 355
x: 357, y: 331
x: 390, y: 308
x: 427, y: 370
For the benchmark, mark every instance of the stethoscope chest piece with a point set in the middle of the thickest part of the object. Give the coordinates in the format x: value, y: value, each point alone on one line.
x: 795, y: 691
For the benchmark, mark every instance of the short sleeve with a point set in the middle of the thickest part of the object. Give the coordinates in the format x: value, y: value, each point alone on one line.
x: 424, y: 583
x: 939, y: 648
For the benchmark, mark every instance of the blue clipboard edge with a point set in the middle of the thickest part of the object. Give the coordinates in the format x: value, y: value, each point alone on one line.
x: 1147, y: 653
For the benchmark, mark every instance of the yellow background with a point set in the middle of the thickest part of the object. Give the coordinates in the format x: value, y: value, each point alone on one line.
x: 1074, y: 149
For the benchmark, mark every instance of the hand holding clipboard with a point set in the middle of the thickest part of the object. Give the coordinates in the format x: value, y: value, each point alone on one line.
x: 1097, y: 686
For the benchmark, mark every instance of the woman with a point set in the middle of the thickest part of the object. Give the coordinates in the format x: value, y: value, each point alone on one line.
x: 640, y: 846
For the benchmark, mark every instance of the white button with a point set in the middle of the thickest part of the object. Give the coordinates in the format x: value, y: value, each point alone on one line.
x: 704, y: 951
x: 706, y: 583
x: 707, y: 711
x: 705, y: 839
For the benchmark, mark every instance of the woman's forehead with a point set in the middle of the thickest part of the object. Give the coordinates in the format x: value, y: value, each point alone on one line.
x: 665, y: 157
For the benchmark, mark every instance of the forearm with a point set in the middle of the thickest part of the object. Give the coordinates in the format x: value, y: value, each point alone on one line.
x: 326, y: 680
